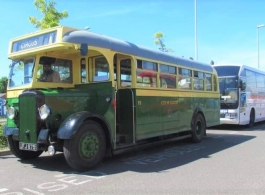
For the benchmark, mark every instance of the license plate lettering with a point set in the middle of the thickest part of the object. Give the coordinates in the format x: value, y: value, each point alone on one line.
x: 28, y: 146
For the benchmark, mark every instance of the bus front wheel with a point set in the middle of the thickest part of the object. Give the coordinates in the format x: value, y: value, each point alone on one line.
x: 251, y: 118
x: 87, y: 148
x: 22, y: 154
x: 198, y: 128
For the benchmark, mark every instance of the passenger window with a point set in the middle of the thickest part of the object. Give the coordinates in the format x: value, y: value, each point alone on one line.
x: 184, y: 83
x: 185, y: 79
x: 146, y: 79
x: 101, y: 69
x: 126, y: 78
x: 208, y: 82
x: 168, y: 80
x: 167, y: 76
x: 198, y: 80
x: 83, y: 70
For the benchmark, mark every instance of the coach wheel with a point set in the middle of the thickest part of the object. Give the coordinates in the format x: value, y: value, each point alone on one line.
x: 198, y: 128
x: 251, y: 118
x: 22, y: 154
x: 87, y: 148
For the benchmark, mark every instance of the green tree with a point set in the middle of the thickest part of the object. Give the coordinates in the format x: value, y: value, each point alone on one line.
x: 51, y: 17
x: 3, y: 84
x: 159, y: 40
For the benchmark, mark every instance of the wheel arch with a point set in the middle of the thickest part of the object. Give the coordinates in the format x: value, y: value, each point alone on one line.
x: 195, y: 112
x: 71, y: 124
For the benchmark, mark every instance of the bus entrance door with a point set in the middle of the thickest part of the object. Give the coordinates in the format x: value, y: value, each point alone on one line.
x: 125, y: 106
x: 125, y: 125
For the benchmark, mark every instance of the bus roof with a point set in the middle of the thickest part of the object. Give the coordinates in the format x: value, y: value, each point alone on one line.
x: 98, y: 40
x: 242, y: 67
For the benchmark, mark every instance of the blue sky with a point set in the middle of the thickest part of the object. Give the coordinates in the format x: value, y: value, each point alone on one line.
x: 226, y: 29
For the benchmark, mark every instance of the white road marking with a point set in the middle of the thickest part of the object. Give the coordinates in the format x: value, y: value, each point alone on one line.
x: 233, y: 132
x: 3, y: 189
x: 32, y: 191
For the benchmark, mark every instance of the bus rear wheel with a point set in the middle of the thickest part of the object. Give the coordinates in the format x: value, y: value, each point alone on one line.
x: 198, y: 128
x: 22, y: 154
x: 87, y: 148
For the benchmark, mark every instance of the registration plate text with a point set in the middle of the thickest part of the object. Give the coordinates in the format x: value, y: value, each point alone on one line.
x: 28, y: 146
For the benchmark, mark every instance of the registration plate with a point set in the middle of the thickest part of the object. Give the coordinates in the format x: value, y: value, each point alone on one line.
x: 28, y: 146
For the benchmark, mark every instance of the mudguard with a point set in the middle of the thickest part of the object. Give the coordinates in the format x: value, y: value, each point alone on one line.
x: 195, y: 112
x: 72, y: 123
x: 11, y: 131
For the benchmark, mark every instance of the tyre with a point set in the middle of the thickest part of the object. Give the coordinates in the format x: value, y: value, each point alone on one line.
x: 87, y: 148
x: 22, y: 154
x: 251, y: 118
x: 198, y: 128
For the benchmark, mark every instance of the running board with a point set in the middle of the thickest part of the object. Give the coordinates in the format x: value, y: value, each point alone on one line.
x: 135, y: 147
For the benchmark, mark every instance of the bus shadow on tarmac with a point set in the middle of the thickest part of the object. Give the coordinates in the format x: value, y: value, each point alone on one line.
x: 159, y: 158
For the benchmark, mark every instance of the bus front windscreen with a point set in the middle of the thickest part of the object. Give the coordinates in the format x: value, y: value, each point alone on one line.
x: 21, y: 72
x: 223, y: 71
x: 229, y: 92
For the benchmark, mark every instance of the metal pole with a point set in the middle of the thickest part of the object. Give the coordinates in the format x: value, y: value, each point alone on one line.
x: 195, y: 27
x: 258, y: 45
x: 259, y: 26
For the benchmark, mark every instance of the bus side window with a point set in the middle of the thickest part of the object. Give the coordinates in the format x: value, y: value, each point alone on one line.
x: 142, y: 80
x: 83, y: 70
x: 198, y: 80
x: 168, y: 81
x: 101, y: 69
x: 146, y: 74
x: 167, y: 76
x: 215, y: 83
x: 185, y: 81
x: 125, y: 77
x: 208, y: 82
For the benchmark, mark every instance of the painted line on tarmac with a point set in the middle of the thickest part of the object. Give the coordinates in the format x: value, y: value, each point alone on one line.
x: 233, y: 132
x: 3, y: 189
x: 32, y: 191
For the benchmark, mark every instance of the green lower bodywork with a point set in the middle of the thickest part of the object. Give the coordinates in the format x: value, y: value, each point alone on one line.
x: 135, y: 118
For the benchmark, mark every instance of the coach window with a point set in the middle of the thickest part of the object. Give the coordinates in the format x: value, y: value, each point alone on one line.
x: 185, y: 78
x: 260, y: 80
x: 251, y: 78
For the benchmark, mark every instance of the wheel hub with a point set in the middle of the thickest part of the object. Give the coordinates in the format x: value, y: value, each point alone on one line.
x: 89, y: 145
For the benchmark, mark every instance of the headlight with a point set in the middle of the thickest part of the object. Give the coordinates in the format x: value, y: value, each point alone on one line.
x: 44, y: 112
x: 11, y: 112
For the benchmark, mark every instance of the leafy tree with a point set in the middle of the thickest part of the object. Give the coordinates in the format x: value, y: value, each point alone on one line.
x: 51, y: 17
x: 3, y: 84
x: 159, y: 40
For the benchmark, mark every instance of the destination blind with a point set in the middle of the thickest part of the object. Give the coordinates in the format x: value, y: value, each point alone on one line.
x: 33, y: 42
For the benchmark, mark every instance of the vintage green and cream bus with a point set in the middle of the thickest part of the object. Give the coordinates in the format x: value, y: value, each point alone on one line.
x: 112, y: 96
